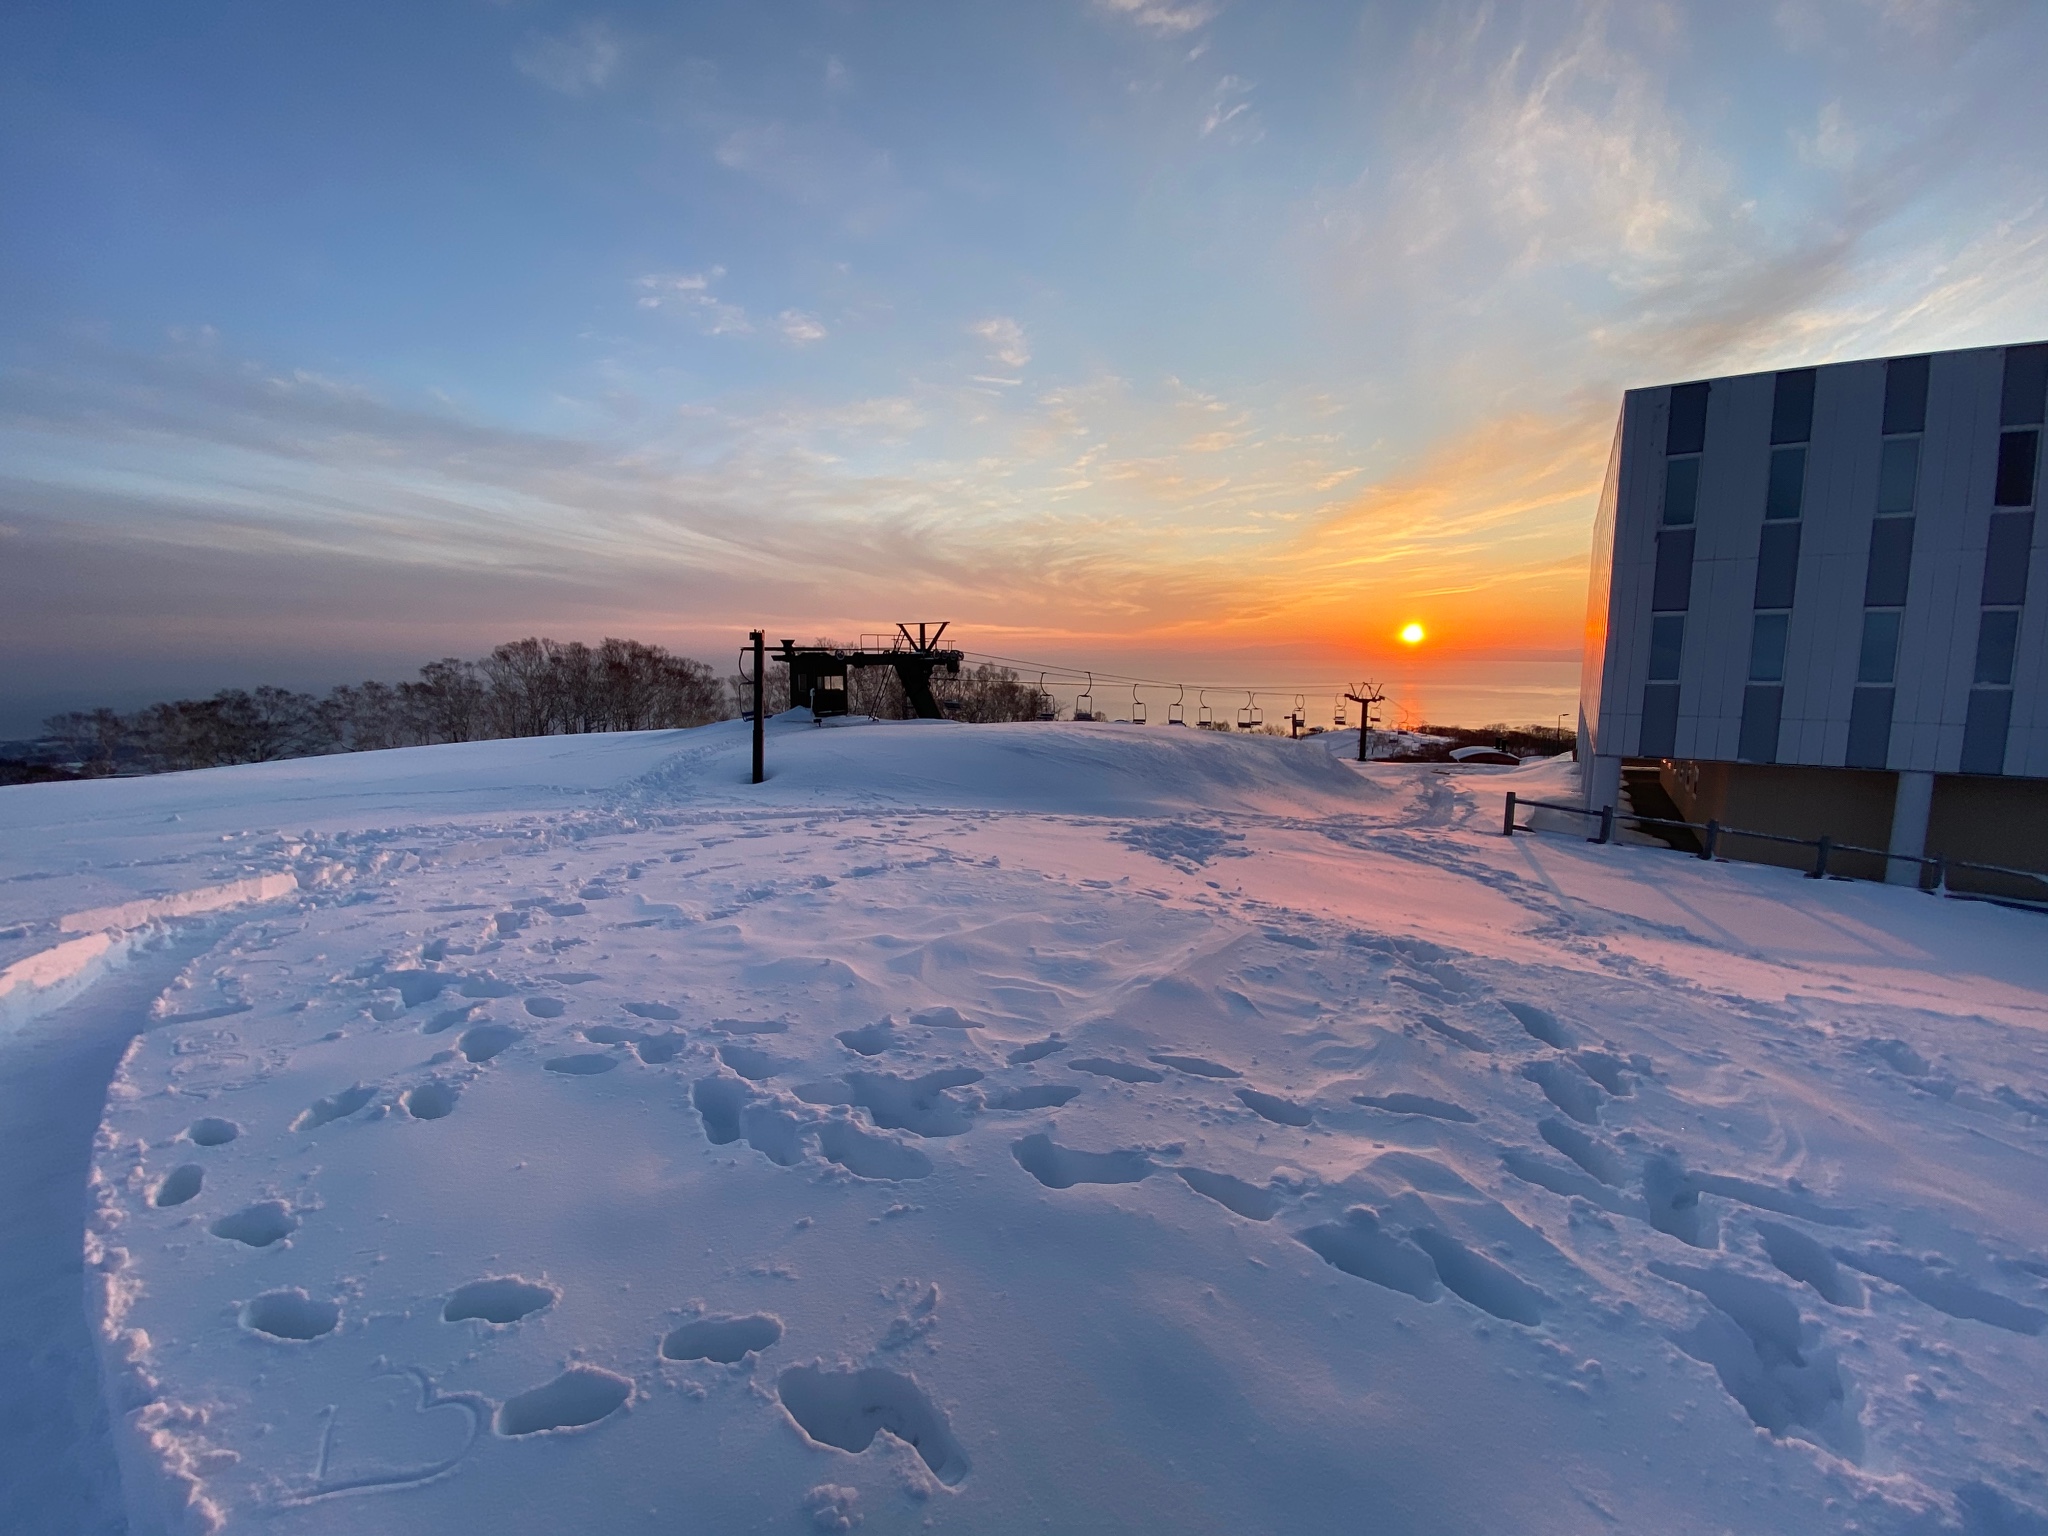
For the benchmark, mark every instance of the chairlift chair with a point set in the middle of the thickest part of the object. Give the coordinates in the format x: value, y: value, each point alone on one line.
x: 1175, y: 714
x: 1337, y: 708
x: 1247, y: 717
x: 1300, y: 715
x: 1206, y: 715
x: 1137, y: 707
x: 1084, y: 703
x: 1047, y: 710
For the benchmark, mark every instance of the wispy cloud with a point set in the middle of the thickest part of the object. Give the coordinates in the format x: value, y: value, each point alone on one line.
x: 800, y: 328
x: 575, y: 62
x: 1170, y: 18
x: 689, y: 293
x: 1005, y: 340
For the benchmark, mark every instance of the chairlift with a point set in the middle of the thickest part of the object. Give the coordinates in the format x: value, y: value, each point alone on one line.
x: 1205, y: 715
x: 1137, y: 707
x: 1175, y: 714
x: 1248, y: 717
x: 1300, y: 717
x: 1046, y: 708
x: 1084, y: 704
x: 1337, y: 710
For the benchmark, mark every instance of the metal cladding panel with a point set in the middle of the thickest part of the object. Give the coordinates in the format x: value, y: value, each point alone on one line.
x: 1638, y: 503
x: 1938, y: 640
x: 1595, y: 644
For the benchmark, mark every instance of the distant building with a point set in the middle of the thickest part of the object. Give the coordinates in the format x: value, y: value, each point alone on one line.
x: 1818, y: 607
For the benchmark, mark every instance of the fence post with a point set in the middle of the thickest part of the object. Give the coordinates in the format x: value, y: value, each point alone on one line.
x: 1507, y: 822
x: 1606, y: 825
x: 1940, y: 876
x: 760, y: 724
x: 1821, y: 851
x: 1713, y: 836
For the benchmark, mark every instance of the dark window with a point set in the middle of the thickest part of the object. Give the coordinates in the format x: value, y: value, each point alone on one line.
x: 1879, y: 658
x: 1898, y: 474
x: 2026, y: 386
x: 1671, y: 588
x: 1998, y: 633
x: 1761, y: 703
x: 1660, y: 721
x: 2016, y: 451
x: 1686, y: 432
x: 1788, y: 483
x: 1767, y: 648
x: 1891, y: 562
x: 1667, y: 643
x: 1681, y: 490
x: 1777, y: 565
x: 1792, y: 407
x: 1984, y: 730
x: 1905, y: 395
x: 1870, y: 728
x: 2007, y: 550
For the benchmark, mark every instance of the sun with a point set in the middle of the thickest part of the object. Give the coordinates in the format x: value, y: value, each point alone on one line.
x: 1411, y: 634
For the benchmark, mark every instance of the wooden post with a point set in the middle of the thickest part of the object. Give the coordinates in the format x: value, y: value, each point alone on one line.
x: 1713, y: 837
x: 760, y: 721
x: 1507, y: 821
x: 1821, y: 851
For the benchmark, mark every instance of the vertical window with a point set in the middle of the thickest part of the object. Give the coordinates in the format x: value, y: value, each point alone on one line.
x: 1777, y: 565
x: 2026, y: 386
x: 1681, y: 491
x: 1891, y: 563
x: 1767, y: 648
x: 1998, y: 634
x: 1660, y: 721
x: 1667, y: 643
x: 1878, y: 659
x: 2016, y: 454
x: 2008, y: 549
x: 1984, y: 730
x: 1686, y: 430
x: 1671, y: 586
x: 1787, y: 491
x: 1762, y: 703
x: 1898, y: 475
x: 1792, y: 407
x: 1870, y: 728
x: 1905, y: 395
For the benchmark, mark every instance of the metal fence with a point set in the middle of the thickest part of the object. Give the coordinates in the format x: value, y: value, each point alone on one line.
x: 1713, y: 834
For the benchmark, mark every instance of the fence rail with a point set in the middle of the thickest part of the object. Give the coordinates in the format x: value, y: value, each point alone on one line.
x: 1712, y: 832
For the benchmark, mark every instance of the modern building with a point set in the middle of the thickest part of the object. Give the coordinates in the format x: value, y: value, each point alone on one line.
x: 1818, y: 607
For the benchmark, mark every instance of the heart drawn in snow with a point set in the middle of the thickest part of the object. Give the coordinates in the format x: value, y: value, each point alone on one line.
x: 400, y: 1433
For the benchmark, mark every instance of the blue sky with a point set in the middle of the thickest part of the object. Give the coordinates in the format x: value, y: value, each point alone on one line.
x: 1196, y: 339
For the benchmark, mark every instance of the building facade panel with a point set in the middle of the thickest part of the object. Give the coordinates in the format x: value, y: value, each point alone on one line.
x: 1838, y: 569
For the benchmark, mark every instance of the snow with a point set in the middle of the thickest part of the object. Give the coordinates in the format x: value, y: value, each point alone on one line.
x: 989, y: 1128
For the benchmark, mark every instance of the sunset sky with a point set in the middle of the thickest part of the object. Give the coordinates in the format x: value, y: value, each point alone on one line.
x: 1214, y: 341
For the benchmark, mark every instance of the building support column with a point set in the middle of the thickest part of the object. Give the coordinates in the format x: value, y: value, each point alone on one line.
x: 1910, y: 806
x: 1603, y: 782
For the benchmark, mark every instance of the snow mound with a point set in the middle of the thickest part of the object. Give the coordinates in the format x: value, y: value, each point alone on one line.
x: 1054, y: 1127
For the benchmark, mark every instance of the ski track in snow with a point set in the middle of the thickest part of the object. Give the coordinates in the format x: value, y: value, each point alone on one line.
x: 1006, y: 1163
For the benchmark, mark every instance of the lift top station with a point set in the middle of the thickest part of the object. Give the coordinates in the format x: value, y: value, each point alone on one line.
x: 817, y: 673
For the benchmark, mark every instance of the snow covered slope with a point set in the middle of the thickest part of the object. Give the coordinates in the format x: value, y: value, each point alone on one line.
x: 1069, y: 1128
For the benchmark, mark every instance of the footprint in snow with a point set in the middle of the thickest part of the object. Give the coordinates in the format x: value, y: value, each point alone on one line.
x: 499, y: 1301
x: 580, y: 1396
x: 1270, y: 1106
x: 1122, y: 1071
x: 722, y: 1340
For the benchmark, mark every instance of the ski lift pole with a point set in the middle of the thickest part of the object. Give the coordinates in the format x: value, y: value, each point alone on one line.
x: 760, y: 722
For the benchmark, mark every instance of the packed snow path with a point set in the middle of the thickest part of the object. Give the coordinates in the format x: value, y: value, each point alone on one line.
x: 1036, y: 1128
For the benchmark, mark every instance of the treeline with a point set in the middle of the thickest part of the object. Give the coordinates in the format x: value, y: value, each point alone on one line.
x: 529, y: 687
x: 532, y: 687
